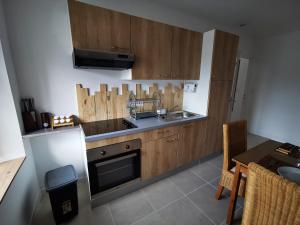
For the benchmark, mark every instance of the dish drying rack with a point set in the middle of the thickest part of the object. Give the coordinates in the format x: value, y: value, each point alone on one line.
x: 137, y: 109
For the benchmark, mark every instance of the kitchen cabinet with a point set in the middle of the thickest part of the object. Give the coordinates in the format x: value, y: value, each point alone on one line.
x: 192, y: 137
x: 162, y: 52
x: 186, y: 54
x: 218, y: 112
x: 224, y: 56
x: 159, y: 156
x: 97, y: 28
x: 187, y: 144
x: 151, y: 44
x: 222, y: 73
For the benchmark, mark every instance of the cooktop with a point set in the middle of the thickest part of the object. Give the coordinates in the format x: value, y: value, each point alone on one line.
x: 106, y: 126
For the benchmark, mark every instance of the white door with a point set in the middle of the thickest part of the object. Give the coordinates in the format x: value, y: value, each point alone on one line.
x: 238, y: 93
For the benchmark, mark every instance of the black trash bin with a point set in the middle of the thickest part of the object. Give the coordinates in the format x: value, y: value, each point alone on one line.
x: 61, y: 184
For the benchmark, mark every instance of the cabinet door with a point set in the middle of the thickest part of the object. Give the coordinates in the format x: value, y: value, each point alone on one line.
x: 192, y: 138
x: 98, y: 28
x: 151, y: 45
x: 218, y: 111
x: 186, y: 54
x: 200, y: 137
x: 159, y: 156
x: 187, y: 144
x: 224, y: 55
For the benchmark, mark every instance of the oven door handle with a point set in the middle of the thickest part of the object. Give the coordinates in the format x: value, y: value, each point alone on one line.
x: 116, y: 160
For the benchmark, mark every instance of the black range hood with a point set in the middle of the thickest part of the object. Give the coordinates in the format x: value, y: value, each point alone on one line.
x: 84, y: 58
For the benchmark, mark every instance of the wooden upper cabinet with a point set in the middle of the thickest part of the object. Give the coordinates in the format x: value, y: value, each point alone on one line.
x: 98, y: 28
x: 151, y: 44
x: 186, y: 54
x: 224, y: 55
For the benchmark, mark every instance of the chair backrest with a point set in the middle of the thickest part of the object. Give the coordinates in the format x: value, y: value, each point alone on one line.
x: 270, y: 199
x: 234, y: 141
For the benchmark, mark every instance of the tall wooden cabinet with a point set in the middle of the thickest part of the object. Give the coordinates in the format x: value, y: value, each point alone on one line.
x: 97, y: 28
x: 224, y: 56
x: 151, y: 44
x: 223, y: 65
x: 218, y: 111
x: 186, y: 54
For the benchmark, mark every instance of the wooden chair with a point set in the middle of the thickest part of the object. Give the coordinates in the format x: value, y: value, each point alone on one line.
x: 234, y: 143
x: 270, y: 199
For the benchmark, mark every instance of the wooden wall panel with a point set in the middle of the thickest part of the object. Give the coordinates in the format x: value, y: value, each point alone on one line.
x: 100, y: 103
x: 111, y: 104
x: 86, y: 104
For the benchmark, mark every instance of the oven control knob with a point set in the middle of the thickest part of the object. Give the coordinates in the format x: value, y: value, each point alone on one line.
x: 127, y: 146
x: 102, y: 153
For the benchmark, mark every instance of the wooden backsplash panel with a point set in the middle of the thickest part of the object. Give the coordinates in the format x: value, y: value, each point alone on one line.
x: 106, y: 104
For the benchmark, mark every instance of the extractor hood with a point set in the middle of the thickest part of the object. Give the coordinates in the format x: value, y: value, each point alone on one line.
x: 84, y: 58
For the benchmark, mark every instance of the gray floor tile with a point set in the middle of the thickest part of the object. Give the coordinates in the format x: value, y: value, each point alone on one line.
x: 204, y: 198
x: 96, y: 216
x: 43, y: 213
x: 186, y: 181
x: 183, y: 212
x: 206, y: 171
x: 152, y: 219
x: 217, y: 161
x: 237, y: 219
x: 162, y: 193
x: 226, y: 192
x: 130, y: 208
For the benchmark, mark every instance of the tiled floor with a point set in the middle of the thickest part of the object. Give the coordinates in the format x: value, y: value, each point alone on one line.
x: 186, y: 198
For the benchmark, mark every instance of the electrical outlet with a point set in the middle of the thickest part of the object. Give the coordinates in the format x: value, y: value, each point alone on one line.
x: 190, y: 87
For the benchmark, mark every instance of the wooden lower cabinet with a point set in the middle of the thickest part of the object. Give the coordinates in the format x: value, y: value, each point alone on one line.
x: 192, y: 137
x: 159, y: 156
x: 187, y: 144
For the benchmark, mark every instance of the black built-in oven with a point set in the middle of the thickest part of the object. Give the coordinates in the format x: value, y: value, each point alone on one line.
x: 113, y: 165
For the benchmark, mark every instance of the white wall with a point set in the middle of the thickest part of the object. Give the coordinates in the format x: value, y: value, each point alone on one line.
x: 11, y: 145
x: 197, y: 102
x: 42, y: 47
x: 20, y: 200
x: 18, y: 204
x: 57, y: 150
x: 274, y: 88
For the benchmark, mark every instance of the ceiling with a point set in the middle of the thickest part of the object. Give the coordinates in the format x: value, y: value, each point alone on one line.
x: 262, y: 17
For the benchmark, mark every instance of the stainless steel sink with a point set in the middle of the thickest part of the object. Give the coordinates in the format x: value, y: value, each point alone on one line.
x: 178, y: 115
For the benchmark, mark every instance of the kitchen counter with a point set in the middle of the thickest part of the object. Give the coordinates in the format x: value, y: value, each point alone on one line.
x: 49, y: 131
x: 143, y: 125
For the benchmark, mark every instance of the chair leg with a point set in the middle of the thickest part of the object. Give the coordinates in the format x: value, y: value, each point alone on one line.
x: 219, y: 192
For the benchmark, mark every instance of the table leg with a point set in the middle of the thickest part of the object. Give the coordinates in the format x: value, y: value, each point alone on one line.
x: 234, y: 193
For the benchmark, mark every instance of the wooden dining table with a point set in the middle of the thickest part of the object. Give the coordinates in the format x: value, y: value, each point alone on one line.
x: 263, y: 154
